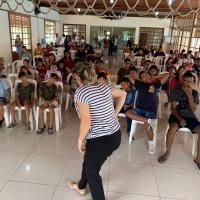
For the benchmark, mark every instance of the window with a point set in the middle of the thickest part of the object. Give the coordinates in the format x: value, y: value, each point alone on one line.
x: 151, y: 36
x: 185, y: 33
x: 50, y: 31
x: 20, y: 25
x: 76, y: 30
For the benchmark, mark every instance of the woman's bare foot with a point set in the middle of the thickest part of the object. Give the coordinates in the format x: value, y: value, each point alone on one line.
x: 74, y: 186
x: 162, y: 159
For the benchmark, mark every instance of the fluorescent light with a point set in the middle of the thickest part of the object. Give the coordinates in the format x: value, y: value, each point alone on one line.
x: 111, y: 1
x: 78, y: 9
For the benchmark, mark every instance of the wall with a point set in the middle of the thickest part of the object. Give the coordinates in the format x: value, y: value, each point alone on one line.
x: 37, y: 26
x: 135, y: 22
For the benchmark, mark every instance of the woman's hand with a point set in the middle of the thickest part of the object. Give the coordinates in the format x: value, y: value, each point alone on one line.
x: 81, y: 146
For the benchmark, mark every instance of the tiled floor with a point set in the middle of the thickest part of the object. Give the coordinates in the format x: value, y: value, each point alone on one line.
x: 37, y: 167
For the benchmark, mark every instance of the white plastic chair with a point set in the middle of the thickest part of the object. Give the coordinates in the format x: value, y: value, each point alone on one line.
x: 16, y: 66
x: 20, y: 109
x: 152, y: 122
x: 186, y: 131
x: 57, y: 111
x: 138, y: 62
x: 60, y: 51
x: 126, y: 55
x: 158, y: 61
x: 68, y: 94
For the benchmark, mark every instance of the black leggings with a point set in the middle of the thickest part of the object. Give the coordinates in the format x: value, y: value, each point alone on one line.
x: 97, y: 151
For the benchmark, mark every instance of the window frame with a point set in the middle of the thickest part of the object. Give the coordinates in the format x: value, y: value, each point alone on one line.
x: 54, y: 34
x: 76, y: 32
x: 10, y: 32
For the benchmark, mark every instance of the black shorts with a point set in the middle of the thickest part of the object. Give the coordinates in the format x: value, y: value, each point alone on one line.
x: 191, y: 123
x: 3, y: 100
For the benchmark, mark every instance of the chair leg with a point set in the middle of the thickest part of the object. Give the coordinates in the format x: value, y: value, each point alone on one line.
x: 31, y: 118
x: 153, y: 123
x: 67, y: 101
x: 45, y: 116
x: 60, y: 114
x: 194, y: 141
x: 20, y: 114
x: 6, y: 116
x: 132, y: 132
x: 37, y: 119
x: 57, y: 119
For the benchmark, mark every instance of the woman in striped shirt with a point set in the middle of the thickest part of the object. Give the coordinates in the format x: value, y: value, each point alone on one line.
x: 99, y: 133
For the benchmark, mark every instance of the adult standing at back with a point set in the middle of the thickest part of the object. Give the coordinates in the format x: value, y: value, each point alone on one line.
x: 99, y: 133
x: 18, y: 45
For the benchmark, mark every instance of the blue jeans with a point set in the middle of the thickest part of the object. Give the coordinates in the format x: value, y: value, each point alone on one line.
x: 146, y: 114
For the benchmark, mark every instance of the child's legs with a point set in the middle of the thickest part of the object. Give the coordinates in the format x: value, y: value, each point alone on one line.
x: 51, y: 115
x: 41, y: 115
x: 1, y: 111
x: 12, y: 111
x: 27, y: 105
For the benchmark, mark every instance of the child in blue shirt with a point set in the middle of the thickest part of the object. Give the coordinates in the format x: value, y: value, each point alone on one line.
x: 5, y: 94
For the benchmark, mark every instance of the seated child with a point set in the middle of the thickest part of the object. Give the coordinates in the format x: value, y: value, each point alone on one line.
x: 102, y: 78
x: 24, y: 96
x: 5, y: 95
x: 40, y: 67
x: 48, y: 93
x: 133, y: 75
x: 130, y: 98
x: 54, y: 69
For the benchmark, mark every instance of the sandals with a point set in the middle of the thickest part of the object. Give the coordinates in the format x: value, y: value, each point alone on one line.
x: 28, y: 126
x: 50, y: 131
x: 11, y: 125
x: 197, y: 163
x: 1, y: 122
x: 74, y: 186
x: 41, y: 130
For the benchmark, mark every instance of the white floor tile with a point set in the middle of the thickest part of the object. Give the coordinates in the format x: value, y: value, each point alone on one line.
x: 178, y: 183
x: 2, y: 184
x: 73, y: 172
x: 136, y: 153
x: 10, y: 161
x: 123, y: 196
x: 18, y: 142
x: 64, y: 193
x: 26, y: 191
x: 178, y: 158
x: 41, y: 169
x: 54, y: 146
x: 131, y: 178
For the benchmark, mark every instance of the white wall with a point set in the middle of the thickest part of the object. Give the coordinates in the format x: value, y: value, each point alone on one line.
x: 134, y: 22
x: 37, y: 26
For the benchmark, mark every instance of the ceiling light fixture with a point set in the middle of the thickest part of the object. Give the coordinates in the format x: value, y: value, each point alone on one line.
x: 111, y: 1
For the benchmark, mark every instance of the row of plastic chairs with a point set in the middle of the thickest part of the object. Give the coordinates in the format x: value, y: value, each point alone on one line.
x: 35, y: 110
x: 154, y: 124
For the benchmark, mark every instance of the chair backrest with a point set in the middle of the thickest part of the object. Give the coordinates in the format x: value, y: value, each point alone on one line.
x: 158, y: 61
x: 180, y: 62
x: 126, y: 55
x: 29, y: 80
x: 138, y: 61
x: 60, y: 50
x: 16, y: 66
x: 59, y: 84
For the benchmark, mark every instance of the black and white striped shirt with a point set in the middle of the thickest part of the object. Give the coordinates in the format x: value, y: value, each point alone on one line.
x: 102, y: 113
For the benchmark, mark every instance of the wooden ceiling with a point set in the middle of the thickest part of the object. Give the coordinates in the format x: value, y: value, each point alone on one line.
x: 142, y: 6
